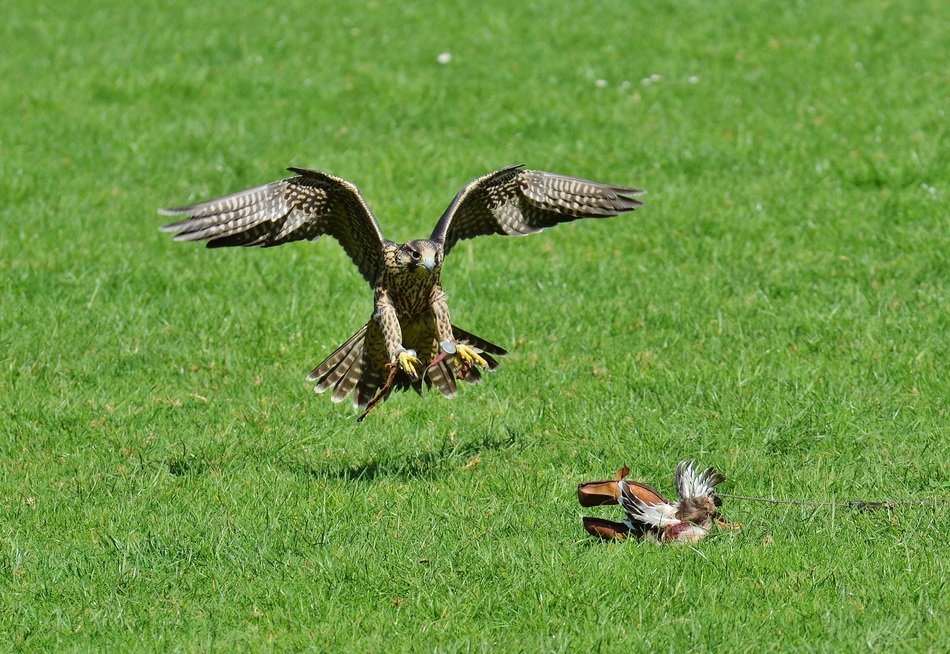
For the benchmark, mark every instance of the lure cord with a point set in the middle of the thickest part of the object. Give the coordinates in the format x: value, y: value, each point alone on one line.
x: 851, y: 504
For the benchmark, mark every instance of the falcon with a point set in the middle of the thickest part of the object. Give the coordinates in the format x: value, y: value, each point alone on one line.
x: 686, y: 521
x: 410, y: 339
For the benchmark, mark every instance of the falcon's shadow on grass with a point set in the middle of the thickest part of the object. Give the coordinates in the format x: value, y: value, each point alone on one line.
x: 406, y: 465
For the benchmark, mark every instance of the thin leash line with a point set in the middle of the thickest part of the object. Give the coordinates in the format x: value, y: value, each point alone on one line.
x: 852, y: 504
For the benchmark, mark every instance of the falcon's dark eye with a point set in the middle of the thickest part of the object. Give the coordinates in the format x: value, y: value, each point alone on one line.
x: 415, y: 255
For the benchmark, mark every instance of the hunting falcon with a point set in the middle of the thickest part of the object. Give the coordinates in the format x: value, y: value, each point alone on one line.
x: 410, y: 339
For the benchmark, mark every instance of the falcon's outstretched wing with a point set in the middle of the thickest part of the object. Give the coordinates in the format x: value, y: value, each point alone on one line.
x: 660, y: 515
x: 303, y: 207
x: 513, y: 201
x: 690, y: 483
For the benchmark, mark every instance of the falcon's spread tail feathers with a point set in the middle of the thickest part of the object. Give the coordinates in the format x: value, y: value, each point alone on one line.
x: 344, y: 370
x: 359, y: 366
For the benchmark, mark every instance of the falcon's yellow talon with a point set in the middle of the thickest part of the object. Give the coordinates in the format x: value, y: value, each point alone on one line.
x: 410, y: 363
x: 467, y: 356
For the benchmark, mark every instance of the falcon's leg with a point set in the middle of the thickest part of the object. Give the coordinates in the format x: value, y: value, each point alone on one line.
x: 385, y: 316
x: 464, y: 354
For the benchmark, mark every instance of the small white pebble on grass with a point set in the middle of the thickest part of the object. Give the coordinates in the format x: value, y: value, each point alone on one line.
x: 600, y: 83
x: 444, y: 58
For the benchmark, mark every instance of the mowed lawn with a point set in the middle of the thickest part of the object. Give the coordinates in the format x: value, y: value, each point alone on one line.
x: 780, y: 309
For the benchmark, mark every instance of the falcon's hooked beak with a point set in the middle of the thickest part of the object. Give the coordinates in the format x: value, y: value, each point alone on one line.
x: 421, y: 256
x: 426, y: 263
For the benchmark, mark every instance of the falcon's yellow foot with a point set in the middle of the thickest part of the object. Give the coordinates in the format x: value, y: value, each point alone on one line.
x: 409, y: 362
x: 466, y: 356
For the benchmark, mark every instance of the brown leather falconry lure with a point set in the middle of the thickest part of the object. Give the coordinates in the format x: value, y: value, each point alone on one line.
x: 649, y: 514
x: 410, y: 339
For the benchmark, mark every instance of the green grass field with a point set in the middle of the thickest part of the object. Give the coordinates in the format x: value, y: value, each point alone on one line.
x: 780, y: 309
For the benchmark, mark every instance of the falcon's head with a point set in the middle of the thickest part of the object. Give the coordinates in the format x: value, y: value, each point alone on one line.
x: 419, y: 256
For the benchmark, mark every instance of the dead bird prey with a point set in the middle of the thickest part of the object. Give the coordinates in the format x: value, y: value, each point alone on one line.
x: 410, y: 338
x: 689, y: 519
x: 649, y: 514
